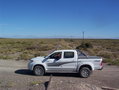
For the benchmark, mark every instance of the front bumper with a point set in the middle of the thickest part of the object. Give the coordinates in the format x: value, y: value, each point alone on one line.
x: 30, y: 66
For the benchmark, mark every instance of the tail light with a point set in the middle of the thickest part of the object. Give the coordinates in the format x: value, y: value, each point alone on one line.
x: 101, y: 63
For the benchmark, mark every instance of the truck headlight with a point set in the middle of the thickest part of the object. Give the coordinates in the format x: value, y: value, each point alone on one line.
x: 30, y: 61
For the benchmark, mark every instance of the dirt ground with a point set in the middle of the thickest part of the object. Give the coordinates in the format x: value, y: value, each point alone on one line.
x: 15, y: 76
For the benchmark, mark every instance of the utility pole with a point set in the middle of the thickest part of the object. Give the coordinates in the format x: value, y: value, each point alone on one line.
x: 83, y: 36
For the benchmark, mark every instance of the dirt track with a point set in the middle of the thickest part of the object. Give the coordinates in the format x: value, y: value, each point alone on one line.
x: 15, y: 76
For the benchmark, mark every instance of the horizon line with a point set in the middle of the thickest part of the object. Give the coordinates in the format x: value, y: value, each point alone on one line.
x: 51, y: 38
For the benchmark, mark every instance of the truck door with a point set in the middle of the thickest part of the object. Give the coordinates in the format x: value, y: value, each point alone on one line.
x: 69, y: 61
x: 53, y: 62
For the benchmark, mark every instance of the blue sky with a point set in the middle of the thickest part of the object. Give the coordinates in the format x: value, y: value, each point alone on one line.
x: 59, y: 18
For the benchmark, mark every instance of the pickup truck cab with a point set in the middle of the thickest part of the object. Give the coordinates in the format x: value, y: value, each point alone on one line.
x: 65, y: 61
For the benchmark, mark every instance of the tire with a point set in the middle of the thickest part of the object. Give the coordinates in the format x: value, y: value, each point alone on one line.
x: 38, y: 70
x: 85, y: 72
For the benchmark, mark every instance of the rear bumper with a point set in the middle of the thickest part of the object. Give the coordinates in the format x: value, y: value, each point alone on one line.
x: 101, y: 68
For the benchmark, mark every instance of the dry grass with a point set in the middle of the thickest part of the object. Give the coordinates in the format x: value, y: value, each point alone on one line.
x: 24, y: 49
x: 35, y: 83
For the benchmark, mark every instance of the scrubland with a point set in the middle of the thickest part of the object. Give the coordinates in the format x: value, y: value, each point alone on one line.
x: 24, y: 49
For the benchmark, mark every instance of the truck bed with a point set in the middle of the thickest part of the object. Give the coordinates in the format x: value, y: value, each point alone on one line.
x: 89, y: 57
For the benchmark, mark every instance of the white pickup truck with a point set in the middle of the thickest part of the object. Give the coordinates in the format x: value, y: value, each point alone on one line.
x: 65, y: 61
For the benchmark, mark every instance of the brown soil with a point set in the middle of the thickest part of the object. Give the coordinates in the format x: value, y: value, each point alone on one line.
x: 15, y: 76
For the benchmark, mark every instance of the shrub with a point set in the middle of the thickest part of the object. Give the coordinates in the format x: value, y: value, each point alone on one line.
x: 5, y: 57
x: 115, y: 62
x: 84, y: 46
x: 105, y: 54
x: 42, y: 47
x: 24, y: 56
x: 35, y: 83
x: 107, y: 60
x: 112, y: 62
x: 39, y: 54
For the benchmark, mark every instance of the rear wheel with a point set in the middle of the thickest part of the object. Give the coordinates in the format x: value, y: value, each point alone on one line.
x: 39, y: 70
x: 84, y: 72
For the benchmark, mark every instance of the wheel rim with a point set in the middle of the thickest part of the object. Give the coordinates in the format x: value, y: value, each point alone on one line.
x: 38, y: 71
x: 85, y: 73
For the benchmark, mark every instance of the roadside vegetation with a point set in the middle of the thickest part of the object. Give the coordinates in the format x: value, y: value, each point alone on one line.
x: 24, y: 49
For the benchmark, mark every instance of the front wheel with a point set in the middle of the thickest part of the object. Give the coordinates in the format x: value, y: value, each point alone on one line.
x: 84, y: 72
x: 39, y: 70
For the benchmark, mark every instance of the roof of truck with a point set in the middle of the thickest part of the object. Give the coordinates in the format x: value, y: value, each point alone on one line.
x: 65, y: 50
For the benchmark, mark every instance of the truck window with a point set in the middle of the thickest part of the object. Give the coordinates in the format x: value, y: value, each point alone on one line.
x: 56, y: 55
x: 68, y: 54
